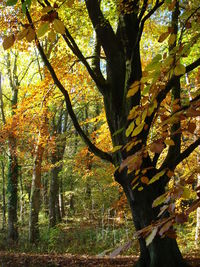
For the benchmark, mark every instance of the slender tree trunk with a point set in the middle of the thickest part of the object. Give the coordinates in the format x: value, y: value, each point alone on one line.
x: 45, y: 195
x: 3, y: 194
x: 21, y: 198
x: 197, y: 232
x: 12, y: 190
x: 35, y: 196
x: 54, y: 209
x: 61, y: 197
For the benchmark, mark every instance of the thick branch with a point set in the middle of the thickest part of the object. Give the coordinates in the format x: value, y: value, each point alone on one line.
x: 103, y: 29
x: 185, y: 153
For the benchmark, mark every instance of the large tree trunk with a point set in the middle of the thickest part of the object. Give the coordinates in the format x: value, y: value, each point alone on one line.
x: 162, y: 251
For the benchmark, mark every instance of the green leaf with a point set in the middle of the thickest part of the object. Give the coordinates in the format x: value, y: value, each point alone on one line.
x: 42, y: 29
x: 59, y: 26
x: 157, y: 176
x: 179, y: 70
x: 118, y: 131
x: 159, y: 200
x: 11, y: 2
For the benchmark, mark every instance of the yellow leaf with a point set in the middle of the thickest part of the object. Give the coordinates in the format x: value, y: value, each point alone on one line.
x: 59, y: 26
x: 22, y: 34
x: 157, y: 176
x: 130, y: 128
x: 8, y: 41
x: 172, y: 39
x: 30, y: 35
x: 133, y: 112
x: 150, y: 237
x: 138, y: 120
x: 135, y: 186
x: 52, y: 36
x: 133, y: 89
x: 140, y: 188
x: 163, y: 36
x: 186, y: 193
x: 138, y: 129
x: 116, y: 148
x: 47, y: 9
x: 169, y: 142
x: 179, y: 70
x: 152, y: 106
x: 144, y: 114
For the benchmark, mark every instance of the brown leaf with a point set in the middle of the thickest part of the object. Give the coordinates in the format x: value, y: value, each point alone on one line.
x: 30, y: 35
x: 165, y: 227
x: 157, y: 147
x: 181, y: 218
x: 171, y: 233
x: 8, y: 41
x: 144, y: 180
x: 191, y: 127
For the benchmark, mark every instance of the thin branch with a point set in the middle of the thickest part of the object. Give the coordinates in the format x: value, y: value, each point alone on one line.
x: 27, y: 69
x: 101, y: 84
x: 151, y: 12
x: 143, y: 9
x: 92, y: 147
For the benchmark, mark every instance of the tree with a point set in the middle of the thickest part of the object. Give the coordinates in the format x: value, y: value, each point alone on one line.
x: 142, y: 170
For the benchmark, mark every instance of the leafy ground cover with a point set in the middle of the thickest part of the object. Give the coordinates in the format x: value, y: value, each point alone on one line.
x: 36, y: 260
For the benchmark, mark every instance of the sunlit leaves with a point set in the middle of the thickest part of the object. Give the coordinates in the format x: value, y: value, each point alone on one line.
x: 52, y: 36
x: 179, y: 69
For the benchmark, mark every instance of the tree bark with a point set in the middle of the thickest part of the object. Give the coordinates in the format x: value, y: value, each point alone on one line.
x: 35, y: 195
x: 3, y: 195
x: 12, y: 189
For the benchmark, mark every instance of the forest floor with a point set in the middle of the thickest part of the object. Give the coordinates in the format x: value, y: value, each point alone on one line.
x: 53, y: 260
